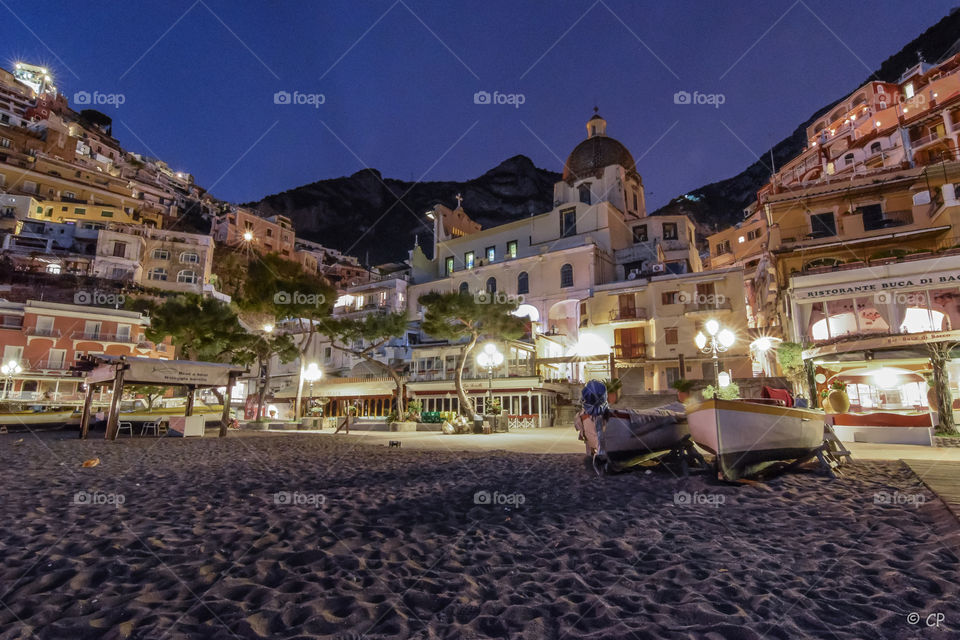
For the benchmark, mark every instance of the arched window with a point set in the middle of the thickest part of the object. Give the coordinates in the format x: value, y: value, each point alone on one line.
x: 876, y: 147
x: 491, y: 285
x: 187, y: 276
x: 848, y: 159
x: 566, y: 276
x: 189, y: 257
x: 523, y: 283
x: 464, y: 287
x: 157, y: 273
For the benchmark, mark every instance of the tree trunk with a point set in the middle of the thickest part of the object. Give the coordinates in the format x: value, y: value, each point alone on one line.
x: 939, y: 356
x: 262, y: 391
x: 304, y: 347
x: 466, y: 405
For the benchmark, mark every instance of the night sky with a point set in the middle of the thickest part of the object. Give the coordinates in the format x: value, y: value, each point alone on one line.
x: 398, y: 79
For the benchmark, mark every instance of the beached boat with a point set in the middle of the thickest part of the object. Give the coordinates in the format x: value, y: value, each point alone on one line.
x: 631, y: 437
x: 748, y: 435
x: 36, y: 419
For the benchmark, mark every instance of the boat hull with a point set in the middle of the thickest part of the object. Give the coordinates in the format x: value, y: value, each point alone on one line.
x: 36, y: 420
x: 632, y: 437
x: 746, y: 437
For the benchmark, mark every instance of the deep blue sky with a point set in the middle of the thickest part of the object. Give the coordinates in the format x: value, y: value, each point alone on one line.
x: 400, y: 97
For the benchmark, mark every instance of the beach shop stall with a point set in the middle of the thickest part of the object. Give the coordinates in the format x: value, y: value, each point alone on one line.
x: 111, y: 371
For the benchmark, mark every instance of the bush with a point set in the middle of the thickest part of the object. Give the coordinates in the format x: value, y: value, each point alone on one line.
x: 729, y: 392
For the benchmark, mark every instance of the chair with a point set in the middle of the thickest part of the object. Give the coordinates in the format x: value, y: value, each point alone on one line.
x: 125, y: 425
x: 149, y: 427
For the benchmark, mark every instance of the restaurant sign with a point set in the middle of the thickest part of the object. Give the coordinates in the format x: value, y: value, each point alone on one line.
x: 883, y: 342
x: 870, y: 287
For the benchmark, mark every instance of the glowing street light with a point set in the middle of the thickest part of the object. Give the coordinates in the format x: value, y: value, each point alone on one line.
x: 718, y: 341
x: 9, y: 370
x: 490, y: 358
x: 248, y: 236
x: 268, y: 328
x: 311, y: 374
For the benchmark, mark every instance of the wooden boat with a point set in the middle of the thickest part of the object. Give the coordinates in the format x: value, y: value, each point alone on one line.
x: 631, y: 437
x: 747, y: 435
x: 36, y: 419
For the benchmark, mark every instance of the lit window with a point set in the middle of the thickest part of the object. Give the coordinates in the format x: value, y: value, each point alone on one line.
x: 491, y: 254
x: 512, y: 249
x: 468, y: 259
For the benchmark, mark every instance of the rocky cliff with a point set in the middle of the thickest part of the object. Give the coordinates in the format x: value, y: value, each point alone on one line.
x: 368, y: 215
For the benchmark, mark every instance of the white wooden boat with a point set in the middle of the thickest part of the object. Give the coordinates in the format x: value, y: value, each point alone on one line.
x: 627, y: 438
x: 746, y: 436
x: 36, y: 419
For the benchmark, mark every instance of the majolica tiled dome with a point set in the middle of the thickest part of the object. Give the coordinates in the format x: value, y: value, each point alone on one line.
x: 596, y: 152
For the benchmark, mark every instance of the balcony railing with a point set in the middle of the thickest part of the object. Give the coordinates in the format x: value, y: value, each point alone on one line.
x: 49, y: 365
x: 630, y: 351
x: 889, y: 219
x: 627, y: 314
x: 927, y: 139
x: 43, y: 333
x: 103, y: 337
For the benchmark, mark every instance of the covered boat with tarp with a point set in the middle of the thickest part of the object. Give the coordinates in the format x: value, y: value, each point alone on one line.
x: 618, y: 438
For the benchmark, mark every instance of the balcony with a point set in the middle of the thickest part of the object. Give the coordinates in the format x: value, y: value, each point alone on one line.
x: 97, y: 336
x: 927, y: 140
x: 888, y: 219
x: 49, y: 365
x: 628, y: 315
x: 41, y: 332
x: 630, y: 351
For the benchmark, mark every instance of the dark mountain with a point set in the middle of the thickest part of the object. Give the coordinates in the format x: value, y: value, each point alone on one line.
x: 367, y: 214
x: 721, y: 204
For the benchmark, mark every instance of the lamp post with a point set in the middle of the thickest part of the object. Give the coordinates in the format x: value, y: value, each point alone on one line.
x: 311, y: 374
x: 9, y: 370
x: 716, y: 342
x: 490, y: 358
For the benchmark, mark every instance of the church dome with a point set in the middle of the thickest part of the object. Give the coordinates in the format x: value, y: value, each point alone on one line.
x: 596, y: 152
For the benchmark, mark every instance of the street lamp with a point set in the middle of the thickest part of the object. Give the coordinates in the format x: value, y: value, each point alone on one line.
x: 490, y: 358
x: 716, y: 342
x: 9, y: 370
x: 247, y: 236
x: 311, y: 374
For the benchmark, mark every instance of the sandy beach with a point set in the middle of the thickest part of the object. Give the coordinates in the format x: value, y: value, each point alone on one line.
x: 298, y: 536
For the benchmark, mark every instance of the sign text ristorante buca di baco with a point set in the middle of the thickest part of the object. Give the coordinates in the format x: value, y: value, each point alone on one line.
x: 885, y: 284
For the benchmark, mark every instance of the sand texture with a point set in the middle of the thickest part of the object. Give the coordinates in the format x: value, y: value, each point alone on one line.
x: 263, y: 536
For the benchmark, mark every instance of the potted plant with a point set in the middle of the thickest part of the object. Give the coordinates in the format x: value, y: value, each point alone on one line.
x: 837, y: 396
x: 613, y: 386
x: 683, y: 387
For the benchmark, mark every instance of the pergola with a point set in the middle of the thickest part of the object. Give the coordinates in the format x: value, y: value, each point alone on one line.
x: 117, y: 371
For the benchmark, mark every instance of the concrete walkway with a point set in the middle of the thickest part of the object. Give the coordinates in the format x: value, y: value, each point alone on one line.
x: 941, y: 477
x: 564, y: 440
